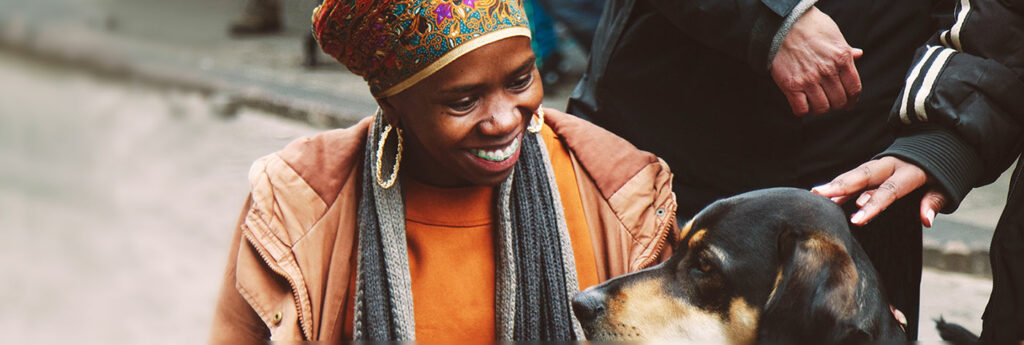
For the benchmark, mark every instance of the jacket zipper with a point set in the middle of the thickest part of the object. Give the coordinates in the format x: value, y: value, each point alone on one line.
x: 291, y: 282
x: 661, y: 241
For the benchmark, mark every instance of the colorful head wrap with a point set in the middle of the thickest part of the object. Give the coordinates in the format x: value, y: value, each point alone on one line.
x: 393, y: 44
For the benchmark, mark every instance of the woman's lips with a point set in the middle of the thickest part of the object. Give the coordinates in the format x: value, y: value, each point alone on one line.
x: 497, y: 160
x: 497, y: 155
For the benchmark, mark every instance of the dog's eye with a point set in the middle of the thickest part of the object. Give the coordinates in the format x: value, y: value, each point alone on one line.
x: 702, y: 266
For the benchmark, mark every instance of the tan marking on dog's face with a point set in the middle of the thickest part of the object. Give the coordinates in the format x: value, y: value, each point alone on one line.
x: 697, y: 237
x: 743, y: 320
x: 684, y: 231
x: 775, y: 286
x: 644, y: 310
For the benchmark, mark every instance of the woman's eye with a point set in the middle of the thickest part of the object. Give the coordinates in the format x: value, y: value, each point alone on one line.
x: 462, y: 105
x: 522, y: 82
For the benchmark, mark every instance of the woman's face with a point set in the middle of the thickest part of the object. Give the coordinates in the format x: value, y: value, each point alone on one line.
x: 463, y: 124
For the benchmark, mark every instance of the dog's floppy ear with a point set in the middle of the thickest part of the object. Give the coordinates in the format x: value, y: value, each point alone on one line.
x: 814, y: 299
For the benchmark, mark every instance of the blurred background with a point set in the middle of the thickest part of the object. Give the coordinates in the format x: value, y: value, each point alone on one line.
x: 126, y: 132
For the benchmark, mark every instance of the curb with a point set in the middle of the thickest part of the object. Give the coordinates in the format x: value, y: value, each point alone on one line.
x: 955, y: 256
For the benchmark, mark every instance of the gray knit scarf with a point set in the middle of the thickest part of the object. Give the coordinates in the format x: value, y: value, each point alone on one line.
x: 535, y: 268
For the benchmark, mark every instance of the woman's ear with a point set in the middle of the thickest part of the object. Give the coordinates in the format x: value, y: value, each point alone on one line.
x: 389, y: 112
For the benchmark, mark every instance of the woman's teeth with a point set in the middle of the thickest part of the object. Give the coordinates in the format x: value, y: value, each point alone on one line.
x: 498, y: 155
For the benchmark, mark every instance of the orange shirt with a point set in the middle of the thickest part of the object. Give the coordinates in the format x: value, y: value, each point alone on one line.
x: 450, y: 234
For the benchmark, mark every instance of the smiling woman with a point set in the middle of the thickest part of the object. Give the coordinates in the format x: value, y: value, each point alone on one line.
x: 461, y: 211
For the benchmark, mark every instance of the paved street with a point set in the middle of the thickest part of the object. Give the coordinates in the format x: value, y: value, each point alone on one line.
x: 117, y: 201
x: 116, y: 206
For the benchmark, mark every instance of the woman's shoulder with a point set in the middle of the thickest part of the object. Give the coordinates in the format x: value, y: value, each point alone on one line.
x: 321, y: 162
x: 609, y: 160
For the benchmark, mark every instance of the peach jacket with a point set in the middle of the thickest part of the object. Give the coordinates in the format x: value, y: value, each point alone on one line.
x: 293, y: 251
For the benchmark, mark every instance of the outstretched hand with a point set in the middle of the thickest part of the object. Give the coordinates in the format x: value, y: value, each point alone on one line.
x: 814, y: 66
x: 883, y: 181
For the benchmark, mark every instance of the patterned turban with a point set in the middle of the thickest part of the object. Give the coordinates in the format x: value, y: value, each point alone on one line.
x: 393, y: 44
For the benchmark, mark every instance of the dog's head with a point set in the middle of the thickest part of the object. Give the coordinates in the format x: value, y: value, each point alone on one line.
x: 775, y: 265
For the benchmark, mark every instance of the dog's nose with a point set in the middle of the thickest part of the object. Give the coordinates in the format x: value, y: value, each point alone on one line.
x: 588, y: 305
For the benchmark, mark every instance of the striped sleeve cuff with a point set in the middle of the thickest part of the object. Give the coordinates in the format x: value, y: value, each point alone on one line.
x: 943, y: 156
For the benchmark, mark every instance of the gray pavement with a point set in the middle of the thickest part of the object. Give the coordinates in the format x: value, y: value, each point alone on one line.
x: 116, y: 206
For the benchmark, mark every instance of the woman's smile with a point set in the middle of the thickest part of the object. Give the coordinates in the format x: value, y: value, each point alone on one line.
x: 497, y: 155
x: 496, y: 160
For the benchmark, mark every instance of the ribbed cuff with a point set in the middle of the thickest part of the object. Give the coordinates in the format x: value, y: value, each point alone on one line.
x: 953, y: 164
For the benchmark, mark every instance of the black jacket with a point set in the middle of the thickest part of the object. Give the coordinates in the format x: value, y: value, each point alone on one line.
x: 688, y: 80
x: 961, y: 118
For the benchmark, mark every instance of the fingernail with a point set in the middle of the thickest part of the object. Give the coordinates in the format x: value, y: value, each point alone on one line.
x: 857, y: 217
x: 820, y: 189
x: 863, y: 199
x: 835, y: 199
x: 930, y: 214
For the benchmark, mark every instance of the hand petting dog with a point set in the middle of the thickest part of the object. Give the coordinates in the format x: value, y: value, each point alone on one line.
x: 883, y: 181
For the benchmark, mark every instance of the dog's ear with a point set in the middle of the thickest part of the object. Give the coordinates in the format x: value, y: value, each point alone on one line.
x: 814, y: 297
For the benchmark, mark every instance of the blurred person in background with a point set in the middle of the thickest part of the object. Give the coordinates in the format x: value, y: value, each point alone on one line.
x: 264, y: 17
x: 545, y: 43
x: 960, y: 120
x: 718, y: 89
x: 580, y: 18
x: 460, y: 194
x: 258, y: 17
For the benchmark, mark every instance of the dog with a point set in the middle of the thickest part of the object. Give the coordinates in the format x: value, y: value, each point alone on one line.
x: 774, y: 266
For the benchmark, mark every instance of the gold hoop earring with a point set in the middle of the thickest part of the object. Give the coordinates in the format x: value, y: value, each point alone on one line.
x: 380, y: 155
x: 537, y: 121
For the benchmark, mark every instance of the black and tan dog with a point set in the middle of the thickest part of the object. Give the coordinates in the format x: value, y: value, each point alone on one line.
x: 775, y: 266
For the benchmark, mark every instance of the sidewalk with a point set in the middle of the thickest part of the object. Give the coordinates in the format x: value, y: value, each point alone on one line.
x: 184, y: 45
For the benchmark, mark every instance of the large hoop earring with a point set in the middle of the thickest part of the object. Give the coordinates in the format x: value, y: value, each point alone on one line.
x: 537, y: 121
x: 380, y: 157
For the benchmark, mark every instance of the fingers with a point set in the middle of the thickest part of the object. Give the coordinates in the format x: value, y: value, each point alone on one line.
x: 815, y: 62
x: 798, y: 102
x: 840, y: 199
x: 850, y: 80
x: 901, y: 182
x: 869, y: 174
x: 817, y: 99
x: 857, y: 53
x: 835, y: 91
x: 931, y: 203
x: 864, y: 197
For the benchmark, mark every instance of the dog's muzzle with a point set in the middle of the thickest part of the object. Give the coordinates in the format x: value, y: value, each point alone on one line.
x: 589, y: 305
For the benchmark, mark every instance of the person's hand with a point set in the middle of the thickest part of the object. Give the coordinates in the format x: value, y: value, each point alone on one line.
x: 814, y: 66
x: 884, y: 180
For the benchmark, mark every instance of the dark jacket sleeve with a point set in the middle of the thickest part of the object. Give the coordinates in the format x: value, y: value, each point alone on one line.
x: 744, y: 29
x: 960, y: 115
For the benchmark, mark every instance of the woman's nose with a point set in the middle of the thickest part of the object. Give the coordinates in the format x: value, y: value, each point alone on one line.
x: 504, y: 119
